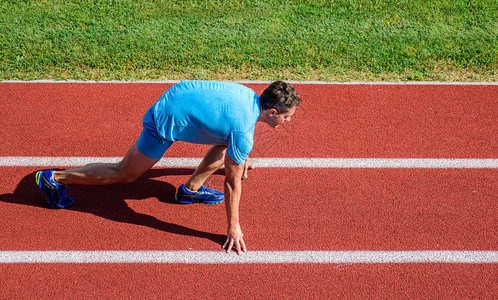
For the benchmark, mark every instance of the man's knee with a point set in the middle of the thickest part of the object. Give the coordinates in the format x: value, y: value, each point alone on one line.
x: 126, y: 175
x: 133, y: 165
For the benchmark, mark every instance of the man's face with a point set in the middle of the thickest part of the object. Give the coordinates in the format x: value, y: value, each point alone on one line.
x: 275, y: 119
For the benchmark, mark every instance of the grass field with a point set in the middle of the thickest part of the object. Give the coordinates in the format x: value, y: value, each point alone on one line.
x: 343, y: 40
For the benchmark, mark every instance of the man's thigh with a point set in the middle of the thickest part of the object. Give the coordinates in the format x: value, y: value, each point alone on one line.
x: 135, y: 163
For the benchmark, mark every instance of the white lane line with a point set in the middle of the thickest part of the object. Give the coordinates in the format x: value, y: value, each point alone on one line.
x: 374, y: 163
x: 187, y: 162
x: 267, y: 82
x: 251, y: 257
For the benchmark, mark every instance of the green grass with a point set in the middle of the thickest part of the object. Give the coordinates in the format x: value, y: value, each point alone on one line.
x: 340, y: 40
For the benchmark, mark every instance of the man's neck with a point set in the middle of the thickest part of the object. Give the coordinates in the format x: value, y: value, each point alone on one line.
x: 262, y: 116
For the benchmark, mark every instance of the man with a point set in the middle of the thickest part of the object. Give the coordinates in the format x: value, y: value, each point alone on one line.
x: 221, y: 114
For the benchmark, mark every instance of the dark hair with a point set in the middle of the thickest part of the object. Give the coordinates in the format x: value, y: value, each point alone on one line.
x: 280, y: 96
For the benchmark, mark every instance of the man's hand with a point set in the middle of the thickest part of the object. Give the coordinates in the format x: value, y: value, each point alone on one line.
x: 247, y: 166
x: 235, y: 238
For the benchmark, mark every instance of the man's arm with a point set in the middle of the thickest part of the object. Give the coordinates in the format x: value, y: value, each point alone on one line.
x: 233, y: 175
x: 247, y: 166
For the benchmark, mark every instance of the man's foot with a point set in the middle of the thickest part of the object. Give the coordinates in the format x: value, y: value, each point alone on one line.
x: 55, y: 192
x: 203, y: 195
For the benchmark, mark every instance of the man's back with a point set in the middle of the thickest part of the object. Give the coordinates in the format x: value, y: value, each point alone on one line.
x: 209, y: 112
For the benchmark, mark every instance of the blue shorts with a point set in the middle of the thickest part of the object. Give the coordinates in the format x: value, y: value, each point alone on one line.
x: 150, y: 143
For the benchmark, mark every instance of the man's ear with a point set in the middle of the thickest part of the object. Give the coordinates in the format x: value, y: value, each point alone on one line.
x: 273, y: 112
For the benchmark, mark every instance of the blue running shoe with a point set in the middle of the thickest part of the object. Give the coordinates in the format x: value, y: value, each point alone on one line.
x: 203, y: 195
x: 55, y: 192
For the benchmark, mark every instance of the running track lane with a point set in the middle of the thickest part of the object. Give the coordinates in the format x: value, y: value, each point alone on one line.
x: 259, y: 281
x: 395, y: 209
x: 413, y: 121
x: 334, y: 209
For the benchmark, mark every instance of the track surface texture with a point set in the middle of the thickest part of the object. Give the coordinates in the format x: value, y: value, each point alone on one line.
x: 282, y: 208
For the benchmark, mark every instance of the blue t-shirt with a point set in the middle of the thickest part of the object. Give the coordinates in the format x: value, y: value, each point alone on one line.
x: 209, y: 112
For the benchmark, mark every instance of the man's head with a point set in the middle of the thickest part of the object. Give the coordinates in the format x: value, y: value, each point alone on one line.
x: 279, y: 95
x: 278, y: 103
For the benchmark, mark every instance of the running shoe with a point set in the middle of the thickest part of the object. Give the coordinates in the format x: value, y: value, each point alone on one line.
x: 203, y: 195
x: 55, y: 193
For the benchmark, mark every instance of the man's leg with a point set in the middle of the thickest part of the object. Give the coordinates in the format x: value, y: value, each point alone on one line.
x: 212, y: 161
x: 132, y: 166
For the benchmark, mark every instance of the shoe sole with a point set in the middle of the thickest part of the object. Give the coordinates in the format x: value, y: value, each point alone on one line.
x: 38, y: 175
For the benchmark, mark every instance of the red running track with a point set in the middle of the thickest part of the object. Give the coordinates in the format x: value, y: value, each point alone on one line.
x: 427, y: 121
x: 334, y: 209
x: 282, y: 209
x: 287, y: 281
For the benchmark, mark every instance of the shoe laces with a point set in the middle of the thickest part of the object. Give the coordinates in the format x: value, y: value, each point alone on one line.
x: 204, y: 186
